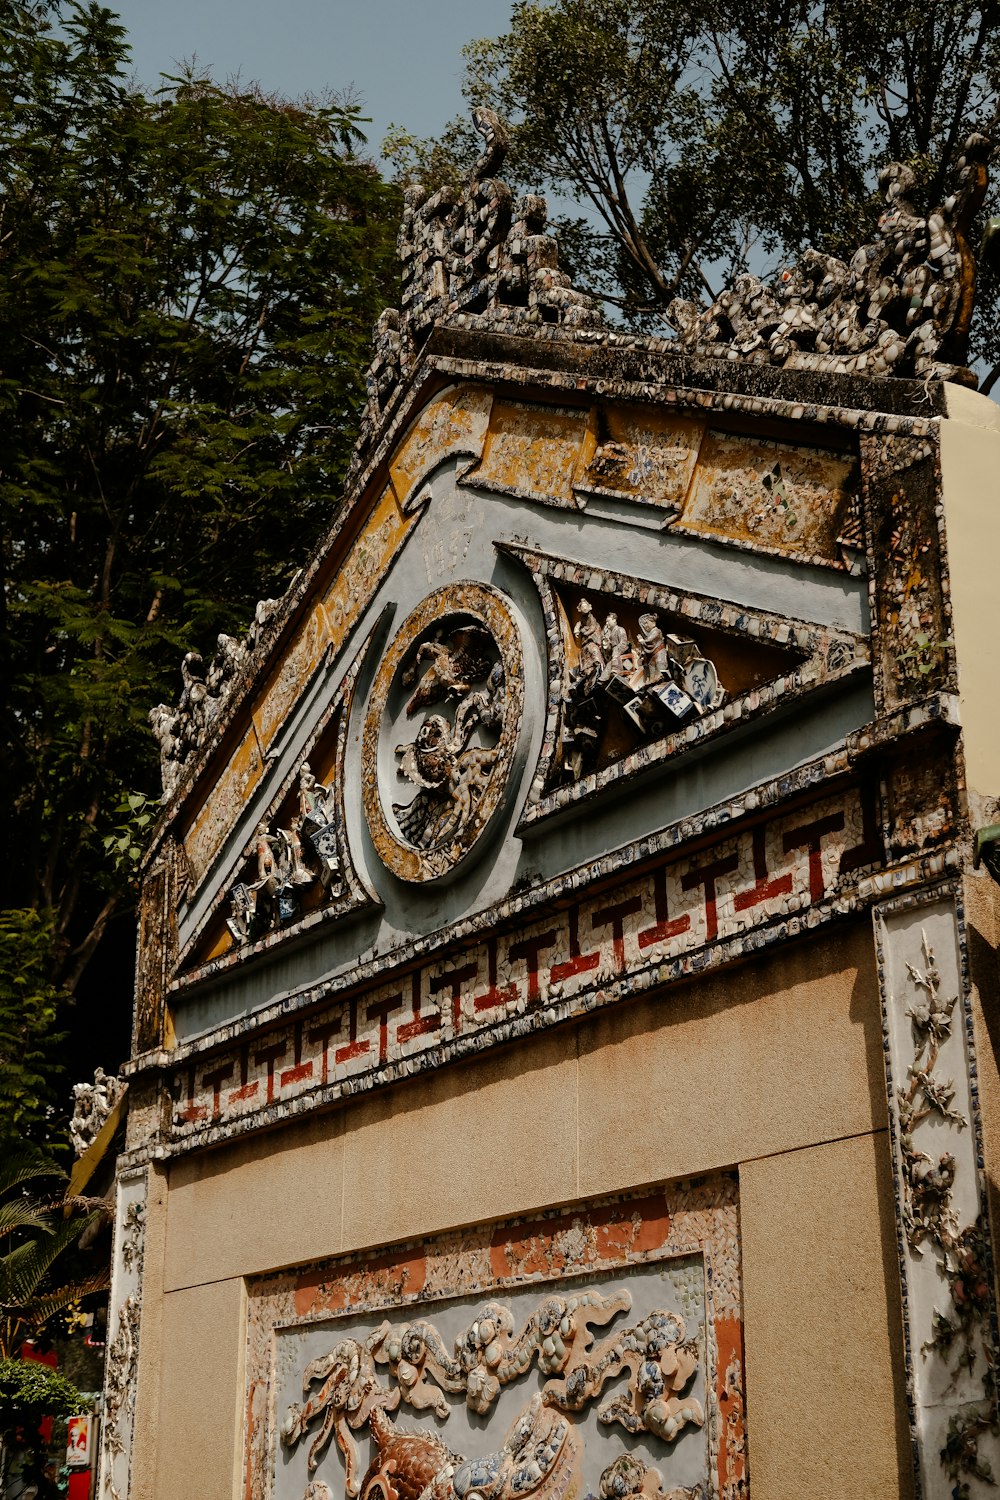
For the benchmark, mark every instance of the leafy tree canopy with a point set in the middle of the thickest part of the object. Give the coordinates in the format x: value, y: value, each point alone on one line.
x: 702, y: 140
x: 187, y: 288
x: 30, y: 1391
x: 29, y: 1028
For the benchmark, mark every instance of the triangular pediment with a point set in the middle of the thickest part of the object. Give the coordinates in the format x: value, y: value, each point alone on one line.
x: 641, y: 675
x: 549, y: 530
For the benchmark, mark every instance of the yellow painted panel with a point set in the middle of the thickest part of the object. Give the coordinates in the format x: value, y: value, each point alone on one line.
x: 644, y: 454
x: 456, y: 422
x: 534, y: 452
x: 290, y: 676
x: 786, y: 499
x: 225, y: 802
x: 361, y: 572
x: 328, y: 624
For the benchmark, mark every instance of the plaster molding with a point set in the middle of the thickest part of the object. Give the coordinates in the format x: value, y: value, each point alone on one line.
x: 946, y: 1258
x: 124, y: 1314
x: 644, y: 1286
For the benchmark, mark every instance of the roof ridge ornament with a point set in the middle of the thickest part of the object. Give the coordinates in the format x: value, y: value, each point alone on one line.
x: 476, y: 252
x: 903, y: 306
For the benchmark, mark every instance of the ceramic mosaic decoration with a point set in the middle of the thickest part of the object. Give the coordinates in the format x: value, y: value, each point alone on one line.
x: 635, y: 708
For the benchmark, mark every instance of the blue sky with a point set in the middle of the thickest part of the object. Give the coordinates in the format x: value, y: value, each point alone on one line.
x: 402, y: 56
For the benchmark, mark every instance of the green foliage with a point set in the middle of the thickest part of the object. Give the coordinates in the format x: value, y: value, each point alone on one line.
x: 30, y: 1391
x: 187, y: 288
x: 701, y: 140
x: 29, y: 1016
x: 35, y: 1241
x: 125, y: 846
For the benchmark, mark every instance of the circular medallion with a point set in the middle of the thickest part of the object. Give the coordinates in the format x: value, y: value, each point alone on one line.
x: 441, y: 729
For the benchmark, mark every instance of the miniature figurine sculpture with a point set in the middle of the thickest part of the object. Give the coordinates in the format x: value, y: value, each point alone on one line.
x: 184, y: 730
x: 902, y: 307
x: 658, y: 681
x: 285, y: 864
x: 479, y: 251
x: 92, y: 1104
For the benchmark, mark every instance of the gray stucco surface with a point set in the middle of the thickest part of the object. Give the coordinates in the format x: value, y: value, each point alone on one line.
x: 455, y: 540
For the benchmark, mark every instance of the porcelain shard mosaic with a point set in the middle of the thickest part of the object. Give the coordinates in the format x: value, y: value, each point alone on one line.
x: 595, y: 1352
x: 596, y: 949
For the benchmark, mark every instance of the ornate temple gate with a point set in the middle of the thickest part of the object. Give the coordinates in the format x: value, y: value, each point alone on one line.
x: 564, y: 1043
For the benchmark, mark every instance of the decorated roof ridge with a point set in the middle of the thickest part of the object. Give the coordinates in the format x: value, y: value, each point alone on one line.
x: 186, y: 729
x: 475, y: 252
x: 189, y: 731
x: 478, y: 259
x: 902, y: 306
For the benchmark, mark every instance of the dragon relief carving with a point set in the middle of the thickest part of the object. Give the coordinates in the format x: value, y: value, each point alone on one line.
x: 474, y: 250
x: 92, y: 1105
x: 183, y: 730
x: 903, y: 306
x: 659, y: 680
x: 541, y: 1451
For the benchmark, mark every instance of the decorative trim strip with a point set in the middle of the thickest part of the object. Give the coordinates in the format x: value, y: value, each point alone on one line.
x: 943, y: 1235
x: 122, y: 1357
x: 756, y: 885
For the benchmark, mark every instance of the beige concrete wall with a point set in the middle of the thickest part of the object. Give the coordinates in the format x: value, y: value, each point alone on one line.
x: 776, y: 1066
x: 982, y: 913
x: 199, y: 1455
x: 970, y: 472
x: 824, y: 1346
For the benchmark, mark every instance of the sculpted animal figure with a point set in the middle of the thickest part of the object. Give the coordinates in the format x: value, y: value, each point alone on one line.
x: 449, y: 669
x: 348, y: 1395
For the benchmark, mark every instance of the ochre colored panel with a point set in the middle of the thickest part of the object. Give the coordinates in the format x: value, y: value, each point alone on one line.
x: 326, y: 627
x: 534, y: 452
x: 493, y: 1136
x: 455, y: 422
x: 200, y: 1418
x: 784, y: 499
x: 361, y: 571
x: 776, y: 1054
x: 644, y: 454
x: 226, y: 801
x: 285, y: 684
x: 826, y: 1400
x: 256, y: 1205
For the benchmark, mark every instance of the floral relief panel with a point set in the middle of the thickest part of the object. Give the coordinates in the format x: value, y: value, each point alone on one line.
x: 591, y: 1352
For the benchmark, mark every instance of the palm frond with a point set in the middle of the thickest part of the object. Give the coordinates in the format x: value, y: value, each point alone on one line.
x: 26, y: 1164
x: 23, y: 1213
x: 47, y: 1306
x: 24, y: 1268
